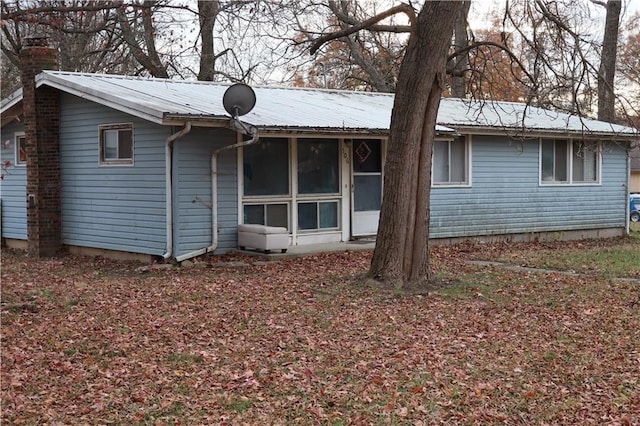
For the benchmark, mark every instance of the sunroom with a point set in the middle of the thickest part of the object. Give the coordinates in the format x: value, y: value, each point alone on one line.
x: 322, y: 189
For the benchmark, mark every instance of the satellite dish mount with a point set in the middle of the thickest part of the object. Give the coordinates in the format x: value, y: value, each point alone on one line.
x: 239, y: 99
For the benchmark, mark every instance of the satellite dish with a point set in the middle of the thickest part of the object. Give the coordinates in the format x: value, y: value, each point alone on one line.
x: 239, y: 99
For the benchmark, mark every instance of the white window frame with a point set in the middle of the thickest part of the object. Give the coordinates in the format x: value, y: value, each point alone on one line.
x: 293, y: 198
x: 264, y: 204
x: 467, y: 165
x: 16, y: 141
x: 114, y: 161
x: 317, y: 202
x: 570, y: 181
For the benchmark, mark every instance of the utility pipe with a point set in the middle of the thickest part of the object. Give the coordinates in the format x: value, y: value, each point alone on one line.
x: 169, y: 186
x: 238, y: 126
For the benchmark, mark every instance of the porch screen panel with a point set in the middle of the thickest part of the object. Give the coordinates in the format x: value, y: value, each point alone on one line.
x: 277, y: 215
x: 254, y: 214
x: 307, y: 216
x: 368, y: 197
x: 315, y: 216
x: 266, y: 167
x: 328, y: 215
x: 267, y: 214
x: 318, y: 166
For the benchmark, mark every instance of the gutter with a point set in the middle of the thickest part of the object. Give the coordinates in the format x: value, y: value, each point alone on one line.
x: 169, y: 186
x: 238, y: 126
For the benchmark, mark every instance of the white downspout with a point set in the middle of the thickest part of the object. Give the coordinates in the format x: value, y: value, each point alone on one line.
x: 169, y: 186
x: 240, y: 127
x: 627, y: 207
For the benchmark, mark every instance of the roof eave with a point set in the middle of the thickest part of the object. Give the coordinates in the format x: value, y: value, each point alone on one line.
x: 11, y: 113
x: 105, y: 99
x: 223, y: 121
x: 520, y: 132
x: 198, y: 120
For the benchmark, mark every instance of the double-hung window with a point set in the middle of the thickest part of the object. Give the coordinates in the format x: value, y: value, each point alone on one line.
x: 565, y: 161
x: 116, y: 144
x: 451, y: 162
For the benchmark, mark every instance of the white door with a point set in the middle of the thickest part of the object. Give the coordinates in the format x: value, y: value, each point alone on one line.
x: 366, y: 186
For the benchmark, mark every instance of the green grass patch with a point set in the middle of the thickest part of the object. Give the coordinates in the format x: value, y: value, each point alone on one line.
x: 485, y: 284
x: 608, y: 261
x: 184, y: 359
x: 240, y: 405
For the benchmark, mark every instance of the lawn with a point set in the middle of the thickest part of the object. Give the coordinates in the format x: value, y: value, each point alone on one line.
x: 236, y: 340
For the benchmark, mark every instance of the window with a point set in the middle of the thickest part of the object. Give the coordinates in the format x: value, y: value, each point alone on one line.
x: 450, y: 162
x: 564, y: 161
x: 321, y: 215
x: 21, y: 150
x: 267, y: 214
x: 318, y: 164
x: 367, y: 174
x: 585, y: 162
x: 292, y: 183
x: 116, y: 144
x: 266, y: 167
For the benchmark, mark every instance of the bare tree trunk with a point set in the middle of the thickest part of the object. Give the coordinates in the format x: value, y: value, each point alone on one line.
x: 461, y: 62
x: 401, y: 257
x: 208, y: 12
x: 606, y: 74
x: 149, y: 60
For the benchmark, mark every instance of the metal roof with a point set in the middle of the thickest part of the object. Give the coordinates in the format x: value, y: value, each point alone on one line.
x: 521, y: 118
x: 301, y: 109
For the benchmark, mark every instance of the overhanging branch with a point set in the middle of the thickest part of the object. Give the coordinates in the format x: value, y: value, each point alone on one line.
x: 402, y: 8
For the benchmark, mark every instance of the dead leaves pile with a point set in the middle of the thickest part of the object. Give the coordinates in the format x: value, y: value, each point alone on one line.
x: 296, y: 342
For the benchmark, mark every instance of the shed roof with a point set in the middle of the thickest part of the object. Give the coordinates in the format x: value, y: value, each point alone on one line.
x: 302, y: 109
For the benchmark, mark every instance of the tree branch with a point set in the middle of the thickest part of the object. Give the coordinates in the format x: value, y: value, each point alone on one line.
x: 402, y: 8
x: 344, y: 17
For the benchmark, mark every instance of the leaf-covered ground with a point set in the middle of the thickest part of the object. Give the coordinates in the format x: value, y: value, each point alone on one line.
x: 91, y: 341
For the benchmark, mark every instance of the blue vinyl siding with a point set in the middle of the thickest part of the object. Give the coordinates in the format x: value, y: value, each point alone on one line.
x: 13, y: 187
x: 111, y: 207
x: 506, y: 197
x: 123, y: 207
x: 192, y: 191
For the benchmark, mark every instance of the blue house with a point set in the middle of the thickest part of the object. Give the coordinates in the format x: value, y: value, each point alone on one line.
x: 145, y: 166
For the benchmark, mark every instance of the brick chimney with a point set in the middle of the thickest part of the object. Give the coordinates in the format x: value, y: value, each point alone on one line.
x: 42, y: 123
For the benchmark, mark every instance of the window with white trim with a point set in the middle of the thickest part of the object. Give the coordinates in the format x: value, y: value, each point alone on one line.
x: 266, y: 168
x: 564, y: 161
x: 270, y: 214
x: 451, y: 162
x: 294, y: 183
x: 21, y: 150
x: 116, y: 144
x: 318, y: 215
